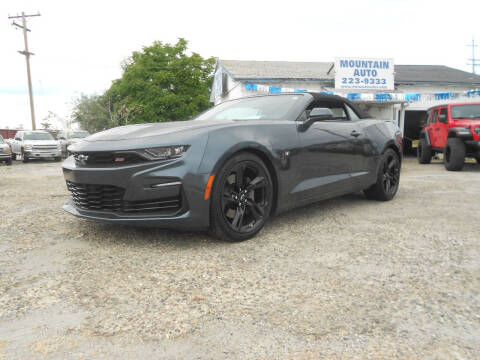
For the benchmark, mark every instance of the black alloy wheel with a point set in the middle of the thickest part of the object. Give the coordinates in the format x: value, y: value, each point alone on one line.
x: 242, y: 198
x: 391, y: 173
x: 388, y: 178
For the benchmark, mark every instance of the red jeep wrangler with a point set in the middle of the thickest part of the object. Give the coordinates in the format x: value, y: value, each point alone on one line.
x: 454, y: 130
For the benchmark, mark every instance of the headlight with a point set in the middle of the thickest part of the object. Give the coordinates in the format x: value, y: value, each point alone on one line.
x: 165, y: 152
x: 477, y: 130
x: 7, y: 149
x: 27, y: 147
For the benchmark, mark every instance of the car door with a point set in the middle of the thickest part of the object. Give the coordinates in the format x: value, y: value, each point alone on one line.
x: 441, y: 131
x: 432, y: 128
x: 327, y: 155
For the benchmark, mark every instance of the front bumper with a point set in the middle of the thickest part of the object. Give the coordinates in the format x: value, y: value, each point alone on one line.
x: 5, y: 156
x: 140, y: 184
x: 42, y: 154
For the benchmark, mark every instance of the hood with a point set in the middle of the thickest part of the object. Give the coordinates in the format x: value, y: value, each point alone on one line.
x: 75, y: 140
x: 153, y: 129
x: 40, y: 142
x: 466, y: 123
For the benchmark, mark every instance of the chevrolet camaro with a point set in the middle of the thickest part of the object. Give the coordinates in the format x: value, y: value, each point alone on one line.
x: 235, y: 165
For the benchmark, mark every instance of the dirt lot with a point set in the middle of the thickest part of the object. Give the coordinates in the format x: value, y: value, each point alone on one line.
x: 346, y: 278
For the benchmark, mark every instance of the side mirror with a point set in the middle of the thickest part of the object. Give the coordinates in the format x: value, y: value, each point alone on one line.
x: 442, y: 118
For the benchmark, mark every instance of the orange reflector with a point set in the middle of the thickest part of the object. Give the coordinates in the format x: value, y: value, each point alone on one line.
x: 209, y: 187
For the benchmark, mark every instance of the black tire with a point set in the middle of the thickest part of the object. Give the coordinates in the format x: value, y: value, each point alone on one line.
x: 478, y: 159
x: 454, y: 154
x: 388, y: 178
x: 14, y: 156
x: 58, y: 158
x: 424, y: 152
x: 25, y: 157
x: 8, y: 162
x: 241, y: 198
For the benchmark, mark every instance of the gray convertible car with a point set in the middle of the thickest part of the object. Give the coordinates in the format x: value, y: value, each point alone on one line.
x: 232, y: 167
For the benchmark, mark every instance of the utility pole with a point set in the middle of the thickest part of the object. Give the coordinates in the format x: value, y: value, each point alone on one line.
x: 27, y: 57
x: 473, y: 60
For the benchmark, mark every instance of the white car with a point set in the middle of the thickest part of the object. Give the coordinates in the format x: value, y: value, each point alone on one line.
x: 5, y: 152
x: 36, y: 144
x: 68, y: 138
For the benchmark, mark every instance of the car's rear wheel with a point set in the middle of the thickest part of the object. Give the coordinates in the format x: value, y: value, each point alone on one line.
x: 241, y: 199
x: 454, y: 154
x: 388, y: 178
x: 424, y: 152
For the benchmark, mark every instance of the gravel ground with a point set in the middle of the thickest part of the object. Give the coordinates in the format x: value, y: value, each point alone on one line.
x: 345, y: 278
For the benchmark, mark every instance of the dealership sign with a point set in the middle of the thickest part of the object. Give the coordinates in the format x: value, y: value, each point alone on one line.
x: 360, y: 73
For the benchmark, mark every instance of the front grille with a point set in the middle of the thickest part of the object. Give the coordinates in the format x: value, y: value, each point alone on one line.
x: 107, y: 158
x: 45, y: 147
x: 110, y: 198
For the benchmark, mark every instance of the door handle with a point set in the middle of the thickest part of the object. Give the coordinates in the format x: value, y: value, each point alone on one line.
x: 355, y: 133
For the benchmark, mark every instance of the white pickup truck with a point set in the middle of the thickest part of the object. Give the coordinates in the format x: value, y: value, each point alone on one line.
x: 35, y: 145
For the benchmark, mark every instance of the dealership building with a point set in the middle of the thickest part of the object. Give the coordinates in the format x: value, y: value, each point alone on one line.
x: 401, y: 93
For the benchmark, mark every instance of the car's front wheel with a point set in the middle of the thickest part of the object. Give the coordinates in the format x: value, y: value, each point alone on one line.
x: 388, y: 178
x: 241, y: 199
x: 424, y: 152
x: 454, y: 154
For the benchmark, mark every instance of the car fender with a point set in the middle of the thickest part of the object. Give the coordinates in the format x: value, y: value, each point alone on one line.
x: 424, y: 135
x: 460, y: 132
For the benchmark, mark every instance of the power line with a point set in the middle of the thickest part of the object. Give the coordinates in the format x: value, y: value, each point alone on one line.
x: 27, y: 58
x: 473, y: 60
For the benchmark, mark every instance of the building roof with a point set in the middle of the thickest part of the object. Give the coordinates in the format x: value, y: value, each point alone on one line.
x: 324, y: 71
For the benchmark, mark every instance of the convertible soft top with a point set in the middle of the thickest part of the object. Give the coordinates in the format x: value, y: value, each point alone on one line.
x: 334, y: 98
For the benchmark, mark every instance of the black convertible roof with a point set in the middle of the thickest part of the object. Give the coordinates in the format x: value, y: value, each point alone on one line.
x: 335, y: 98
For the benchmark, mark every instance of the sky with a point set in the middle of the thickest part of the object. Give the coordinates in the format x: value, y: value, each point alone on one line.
x: 79, y: 45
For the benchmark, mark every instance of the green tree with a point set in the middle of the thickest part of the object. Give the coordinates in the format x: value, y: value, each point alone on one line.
x: 93, y: 113
x: 161, y: 83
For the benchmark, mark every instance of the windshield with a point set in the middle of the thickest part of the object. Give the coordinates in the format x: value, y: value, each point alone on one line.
x: 277, y: 107
x: 78, y: 134
x: 37, y: 136
x: 466, y: 112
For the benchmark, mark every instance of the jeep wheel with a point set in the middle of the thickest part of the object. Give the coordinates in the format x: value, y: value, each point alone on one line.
x: 424, y: 152
x: 454, y: 154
